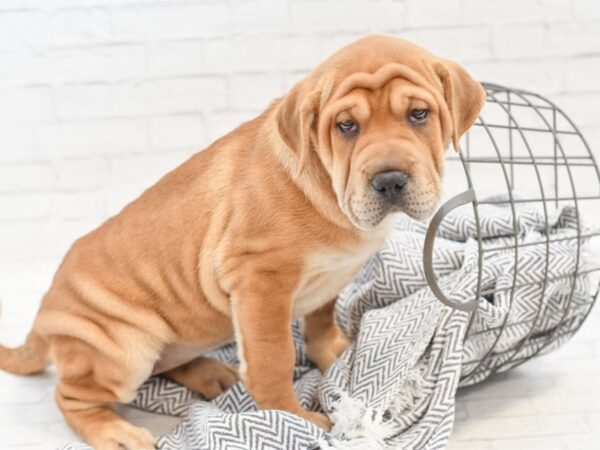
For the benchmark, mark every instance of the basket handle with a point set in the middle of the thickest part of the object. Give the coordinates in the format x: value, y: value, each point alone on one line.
x: 456, y: 201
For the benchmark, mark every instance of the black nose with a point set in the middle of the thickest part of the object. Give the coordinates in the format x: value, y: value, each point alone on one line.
x: 390, y: 185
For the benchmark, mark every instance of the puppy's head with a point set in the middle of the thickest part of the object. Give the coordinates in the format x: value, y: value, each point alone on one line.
x: 378, y: 116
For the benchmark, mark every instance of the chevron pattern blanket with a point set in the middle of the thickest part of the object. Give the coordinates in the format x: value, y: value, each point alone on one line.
x: 395, y: 386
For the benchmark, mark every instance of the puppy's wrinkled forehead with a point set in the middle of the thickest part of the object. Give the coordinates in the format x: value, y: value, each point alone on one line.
x: 304, y: 115
x: 378, y: 79
x: 383, y: 78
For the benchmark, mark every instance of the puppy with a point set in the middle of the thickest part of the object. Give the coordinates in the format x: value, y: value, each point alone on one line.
x: 264, y: 226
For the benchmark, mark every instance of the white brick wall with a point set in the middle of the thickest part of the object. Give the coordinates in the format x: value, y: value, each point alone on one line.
x: 98, y: 98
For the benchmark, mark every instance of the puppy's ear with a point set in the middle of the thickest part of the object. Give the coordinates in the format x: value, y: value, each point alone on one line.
x: 464, y: 96
x: 296, y: 119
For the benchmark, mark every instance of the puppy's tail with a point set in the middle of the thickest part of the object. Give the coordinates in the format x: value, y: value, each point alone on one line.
x: 29, y: 358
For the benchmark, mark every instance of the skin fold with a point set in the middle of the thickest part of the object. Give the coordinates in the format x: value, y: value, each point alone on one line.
x: 264, y: 226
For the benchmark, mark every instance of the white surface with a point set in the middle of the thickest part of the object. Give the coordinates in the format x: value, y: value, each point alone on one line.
x: 549, y: 403
x: 552, y: 402
x: 98, y: 98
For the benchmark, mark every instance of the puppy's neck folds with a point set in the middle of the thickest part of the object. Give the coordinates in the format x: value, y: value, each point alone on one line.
x: 314, y: 181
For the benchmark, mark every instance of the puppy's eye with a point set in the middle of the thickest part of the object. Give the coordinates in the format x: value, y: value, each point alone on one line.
x: 348, y: 127
x: 419, y: 115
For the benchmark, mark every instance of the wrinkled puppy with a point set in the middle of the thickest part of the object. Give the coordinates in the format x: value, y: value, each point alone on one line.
x: 264, y: 226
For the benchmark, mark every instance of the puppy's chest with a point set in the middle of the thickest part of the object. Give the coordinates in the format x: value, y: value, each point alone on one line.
x: 327, y: 272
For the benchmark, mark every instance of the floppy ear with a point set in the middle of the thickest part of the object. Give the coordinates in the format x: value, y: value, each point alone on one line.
x: 464, y: 96
x: 296, y: 118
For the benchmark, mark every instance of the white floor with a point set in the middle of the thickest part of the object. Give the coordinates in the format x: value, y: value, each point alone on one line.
x: 549, y: 403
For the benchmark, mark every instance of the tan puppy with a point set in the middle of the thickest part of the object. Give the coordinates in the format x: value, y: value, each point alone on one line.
x: 264, y: 226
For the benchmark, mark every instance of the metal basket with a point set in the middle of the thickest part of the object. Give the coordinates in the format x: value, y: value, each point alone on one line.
x: 524, y: 147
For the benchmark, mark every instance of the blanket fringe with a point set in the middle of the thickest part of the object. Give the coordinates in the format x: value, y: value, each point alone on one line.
x: 357, y: 426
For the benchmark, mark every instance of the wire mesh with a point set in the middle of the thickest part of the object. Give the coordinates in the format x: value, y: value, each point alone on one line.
x: 526, y: 147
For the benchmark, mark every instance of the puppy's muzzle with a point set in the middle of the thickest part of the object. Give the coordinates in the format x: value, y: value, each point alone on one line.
x: 390, y: 186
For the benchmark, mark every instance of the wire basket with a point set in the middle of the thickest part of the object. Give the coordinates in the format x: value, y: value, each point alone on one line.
x: 523, y: 158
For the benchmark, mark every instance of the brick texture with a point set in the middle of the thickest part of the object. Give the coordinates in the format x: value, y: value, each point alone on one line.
x: 86, y: 84
x: 99, y: 98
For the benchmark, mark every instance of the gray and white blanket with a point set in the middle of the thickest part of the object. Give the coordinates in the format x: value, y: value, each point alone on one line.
x: 395, y: 386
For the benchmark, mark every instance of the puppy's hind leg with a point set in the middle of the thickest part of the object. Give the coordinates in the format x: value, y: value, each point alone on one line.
x: 324, y: 341
x: 90, y: 384
x: 206, y: 376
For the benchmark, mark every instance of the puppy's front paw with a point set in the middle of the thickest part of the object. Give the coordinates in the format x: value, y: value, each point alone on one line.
x: 122, y: 435
x: 323, y: 351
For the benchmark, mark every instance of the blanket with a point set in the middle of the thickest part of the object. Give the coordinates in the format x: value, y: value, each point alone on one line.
x: 395, y: 386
